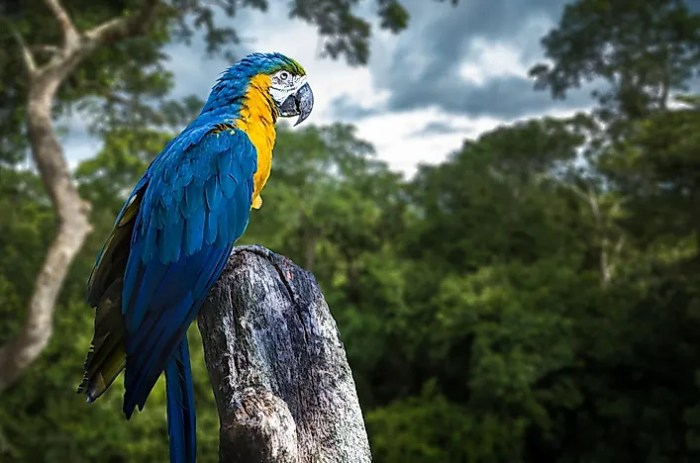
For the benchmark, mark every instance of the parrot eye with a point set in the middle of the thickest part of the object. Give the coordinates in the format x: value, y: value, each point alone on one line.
x: 284, y: 75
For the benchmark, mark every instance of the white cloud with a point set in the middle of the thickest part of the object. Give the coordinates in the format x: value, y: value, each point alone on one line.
x: 78, y: 144
x: 492, y: 59
x: 400, y: 141
x: 393, y: 133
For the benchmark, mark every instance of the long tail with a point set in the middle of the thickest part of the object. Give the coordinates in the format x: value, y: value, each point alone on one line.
x: 181, y: 416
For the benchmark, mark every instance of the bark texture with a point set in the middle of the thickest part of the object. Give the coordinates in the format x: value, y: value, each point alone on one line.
x: 283, y: 386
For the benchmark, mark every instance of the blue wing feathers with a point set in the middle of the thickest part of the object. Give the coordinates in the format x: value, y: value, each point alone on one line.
x: 223, y: 225
x: 171, y: 243
x: 227, y: 185
x: 210, y: 229
x: 195, y: 206
x: 213, y: 193
x: 193, y: 200
x: 160, y: 326
x: 194, y: 232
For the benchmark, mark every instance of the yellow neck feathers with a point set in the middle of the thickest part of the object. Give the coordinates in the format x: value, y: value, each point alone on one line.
x: 257, y: 119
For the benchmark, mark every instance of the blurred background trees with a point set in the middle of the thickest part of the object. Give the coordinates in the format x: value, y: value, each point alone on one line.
x: 534, y: 298
x: 106, y: 58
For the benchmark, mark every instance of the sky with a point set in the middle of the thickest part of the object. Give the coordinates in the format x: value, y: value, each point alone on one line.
x: 454, y: 73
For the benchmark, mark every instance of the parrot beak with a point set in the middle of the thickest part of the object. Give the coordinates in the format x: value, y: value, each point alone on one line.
x: 300, y: 104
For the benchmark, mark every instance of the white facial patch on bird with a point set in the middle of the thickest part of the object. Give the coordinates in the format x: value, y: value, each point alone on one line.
x: 284, y: 83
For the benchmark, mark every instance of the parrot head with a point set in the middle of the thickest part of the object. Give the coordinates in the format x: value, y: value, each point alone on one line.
x: 282, y: 78
x: 290, y: 91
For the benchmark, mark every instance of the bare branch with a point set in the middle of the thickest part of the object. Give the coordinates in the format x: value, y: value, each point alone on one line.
x: 70, y: 33
x: 73, y: 227
x: 593, y: 202
x: 588, y: 197
x: 602, y: 223
x: 27, y: 56
x: 124, y: 26
x: 46, y: 49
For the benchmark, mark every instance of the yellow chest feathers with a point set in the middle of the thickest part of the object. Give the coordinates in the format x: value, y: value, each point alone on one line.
x: 257, y: 119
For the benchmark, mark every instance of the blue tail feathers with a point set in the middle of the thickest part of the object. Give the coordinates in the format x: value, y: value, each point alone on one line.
x: 181, y: 416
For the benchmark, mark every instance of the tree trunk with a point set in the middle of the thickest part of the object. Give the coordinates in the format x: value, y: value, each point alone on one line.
x: 71, y: 211
x: 73, y: 226
x: 282, y: 383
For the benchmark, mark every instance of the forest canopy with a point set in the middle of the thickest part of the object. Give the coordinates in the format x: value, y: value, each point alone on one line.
x: 534, y: 298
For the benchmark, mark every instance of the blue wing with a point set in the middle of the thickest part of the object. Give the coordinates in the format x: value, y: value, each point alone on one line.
x: 196, y: 204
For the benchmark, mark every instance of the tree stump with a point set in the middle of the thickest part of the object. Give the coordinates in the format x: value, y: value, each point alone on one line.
x: 283, y: 386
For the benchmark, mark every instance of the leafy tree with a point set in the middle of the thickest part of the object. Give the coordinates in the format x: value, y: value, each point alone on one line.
x: 106, y: 56
x: 532, y: 299
x: 643, y: 50
x: 487, y: 202
x: 657, y: 171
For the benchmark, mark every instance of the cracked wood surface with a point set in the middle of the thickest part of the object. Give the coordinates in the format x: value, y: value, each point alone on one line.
x: 283, y: 387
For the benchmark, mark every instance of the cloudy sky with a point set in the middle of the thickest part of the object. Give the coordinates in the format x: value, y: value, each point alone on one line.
x: 454, y: 73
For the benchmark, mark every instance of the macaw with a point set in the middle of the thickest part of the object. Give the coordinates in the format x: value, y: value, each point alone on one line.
x: 172, y: 238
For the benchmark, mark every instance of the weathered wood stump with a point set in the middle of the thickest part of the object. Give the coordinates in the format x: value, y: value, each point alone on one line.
x: 281, y: 379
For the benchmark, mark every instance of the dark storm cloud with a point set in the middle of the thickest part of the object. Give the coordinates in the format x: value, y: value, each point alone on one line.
x: 500, y: 97
x: 424, y: 69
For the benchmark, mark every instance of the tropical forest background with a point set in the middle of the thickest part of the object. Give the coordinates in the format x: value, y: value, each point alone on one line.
x: 533, y: 298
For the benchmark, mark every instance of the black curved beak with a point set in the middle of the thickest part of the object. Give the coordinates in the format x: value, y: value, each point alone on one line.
x: 300, y: 104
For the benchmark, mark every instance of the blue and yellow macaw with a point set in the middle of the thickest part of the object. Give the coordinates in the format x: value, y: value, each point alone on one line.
x: 172, y: 238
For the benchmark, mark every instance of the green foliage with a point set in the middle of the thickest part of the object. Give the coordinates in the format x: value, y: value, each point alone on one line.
x: 642, y: 49
x: 469, y: 299
x: 399, y: 431
x: 508, y: 171
x: 27, y: 224
x: 659, y: 170
x: 534, y: 298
